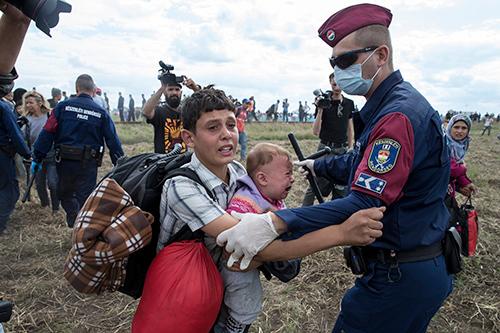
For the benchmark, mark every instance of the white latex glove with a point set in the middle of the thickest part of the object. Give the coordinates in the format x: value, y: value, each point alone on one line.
x: 305, y: 167
x: 253, y: 233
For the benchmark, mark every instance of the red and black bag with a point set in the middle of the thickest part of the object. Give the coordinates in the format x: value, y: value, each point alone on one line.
x: 182, y: 293
x: 468, y: 226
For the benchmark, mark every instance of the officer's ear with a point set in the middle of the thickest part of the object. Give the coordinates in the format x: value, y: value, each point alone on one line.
x: 382, y: 55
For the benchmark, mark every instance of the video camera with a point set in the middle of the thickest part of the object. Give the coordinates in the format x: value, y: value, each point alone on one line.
x: 323, y: 99
x: 166, y: 77
x: 45, y: 13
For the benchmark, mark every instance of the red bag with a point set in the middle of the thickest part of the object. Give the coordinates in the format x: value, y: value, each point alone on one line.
x: 468, y: 227
x: 182, y: 293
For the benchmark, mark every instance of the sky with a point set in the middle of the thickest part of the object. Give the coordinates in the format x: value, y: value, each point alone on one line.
x: 448, y: 49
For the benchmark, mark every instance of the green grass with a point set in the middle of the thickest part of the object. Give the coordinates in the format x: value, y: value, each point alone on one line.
x: 132, y: 133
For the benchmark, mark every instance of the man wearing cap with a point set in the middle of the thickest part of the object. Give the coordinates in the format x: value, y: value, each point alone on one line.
x: 99, y: 100
x: 166, y: 117
x: 399, y: 161
x: 56, y: 97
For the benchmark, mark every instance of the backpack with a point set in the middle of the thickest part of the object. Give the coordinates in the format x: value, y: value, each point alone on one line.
x: 142, y: 177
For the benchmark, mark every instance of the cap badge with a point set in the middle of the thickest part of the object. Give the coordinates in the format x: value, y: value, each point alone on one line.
x: 330, y: 34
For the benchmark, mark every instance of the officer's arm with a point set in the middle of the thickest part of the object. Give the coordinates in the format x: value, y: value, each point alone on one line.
x: 379, y: 179
x: 112, y: 140
x: 336, y: 168
x: 152, y: 102
x: 47, y: 136
x: 15, y: 133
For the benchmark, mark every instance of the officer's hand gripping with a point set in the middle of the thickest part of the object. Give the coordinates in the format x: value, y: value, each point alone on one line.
x: 253, y: 233
x: 305, y: 167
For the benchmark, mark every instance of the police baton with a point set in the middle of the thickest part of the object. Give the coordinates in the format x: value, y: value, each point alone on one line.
x: 28, y: 189
x: 310, y: 178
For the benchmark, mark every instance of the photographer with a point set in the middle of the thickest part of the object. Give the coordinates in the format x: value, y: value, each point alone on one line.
x: 13, y: 27
x: 166, y: 117
x: 334, y: 126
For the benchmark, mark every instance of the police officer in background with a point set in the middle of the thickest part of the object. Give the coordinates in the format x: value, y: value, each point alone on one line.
x: 13, y: 27
x: 400, y: 161
x: 78, y: 127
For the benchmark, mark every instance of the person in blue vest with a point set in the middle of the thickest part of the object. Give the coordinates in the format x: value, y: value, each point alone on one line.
x: 78, y: 128
x: 13, y: 27
x: 400, y: 161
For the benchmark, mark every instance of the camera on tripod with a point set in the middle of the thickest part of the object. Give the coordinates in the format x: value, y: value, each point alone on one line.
x: 166, y: 77
x: 323, y: 99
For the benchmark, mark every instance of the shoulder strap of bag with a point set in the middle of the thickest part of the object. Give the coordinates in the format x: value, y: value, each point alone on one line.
x: 185, y: 233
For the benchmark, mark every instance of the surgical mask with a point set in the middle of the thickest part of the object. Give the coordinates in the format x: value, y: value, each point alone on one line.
x: 351, y: 79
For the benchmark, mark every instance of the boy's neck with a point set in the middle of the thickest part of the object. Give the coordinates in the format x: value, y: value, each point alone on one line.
x: 220, y: 171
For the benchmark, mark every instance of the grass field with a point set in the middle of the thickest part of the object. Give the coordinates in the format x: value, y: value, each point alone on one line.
x: 32, y: 254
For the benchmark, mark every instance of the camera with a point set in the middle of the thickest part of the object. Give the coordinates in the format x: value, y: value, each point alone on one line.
x: 166, y: 77
x: 323, y: 99
x: 45, y: 13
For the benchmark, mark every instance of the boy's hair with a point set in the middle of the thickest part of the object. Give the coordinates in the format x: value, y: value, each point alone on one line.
x: 205, y: 100
x: 262, y: 154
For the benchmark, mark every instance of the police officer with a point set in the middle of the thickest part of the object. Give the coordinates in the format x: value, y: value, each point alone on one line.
x: 78, y: 127
x: 13, y: 27
x: 400, y: 160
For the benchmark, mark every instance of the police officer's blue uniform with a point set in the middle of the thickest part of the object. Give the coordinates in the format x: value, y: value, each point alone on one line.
x: 11, y: 141
x: 78, y: 127
x: 401, y: 161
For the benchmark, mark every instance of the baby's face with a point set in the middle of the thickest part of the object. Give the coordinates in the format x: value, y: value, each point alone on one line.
x: 280, y: 177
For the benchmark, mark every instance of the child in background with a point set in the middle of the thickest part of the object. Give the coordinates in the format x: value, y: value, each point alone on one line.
x: 269, y: 180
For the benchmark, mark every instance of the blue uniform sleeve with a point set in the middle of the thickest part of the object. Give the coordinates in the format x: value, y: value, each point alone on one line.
x: 301, y: 221
x: 15, y: 133
x: 112, y: 140
x: 336, y: 168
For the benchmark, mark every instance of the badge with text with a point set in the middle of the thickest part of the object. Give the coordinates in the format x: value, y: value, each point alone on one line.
x: 384, y: 155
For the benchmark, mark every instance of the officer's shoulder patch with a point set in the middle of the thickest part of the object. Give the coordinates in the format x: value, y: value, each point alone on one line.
x: 371, y: 183
x: 384, y: 155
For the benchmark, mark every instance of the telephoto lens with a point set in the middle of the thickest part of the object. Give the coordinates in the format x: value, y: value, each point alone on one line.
x: 45, y: 13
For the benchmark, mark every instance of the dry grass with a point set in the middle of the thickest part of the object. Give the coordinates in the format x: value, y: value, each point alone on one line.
x: 32, y: 254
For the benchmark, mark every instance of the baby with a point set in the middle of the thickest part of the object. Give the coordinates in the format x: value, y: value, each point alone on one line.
x: 269, y: 180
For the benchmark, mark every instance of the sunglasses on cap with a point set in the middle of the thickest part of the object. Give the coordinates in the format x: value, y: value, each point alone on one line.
x: 347, y: 59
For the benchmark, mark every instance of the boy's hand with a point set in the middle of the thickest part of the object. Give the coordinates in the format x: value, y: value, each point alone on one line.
x: 253, y: 233
x: 363, y: 227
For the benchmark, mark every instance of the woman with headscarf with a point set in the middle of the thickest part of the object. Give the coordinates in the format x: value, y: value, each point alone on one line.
x: 458, y: 139
x: 36, y: 110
